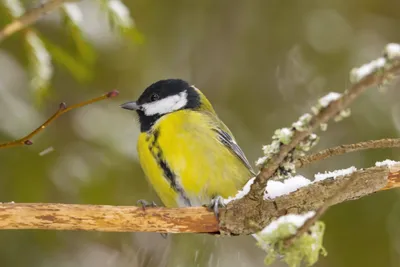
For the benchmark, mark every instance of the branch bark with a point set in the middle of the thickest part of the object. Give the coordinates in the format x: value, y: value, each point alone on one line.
x: 194, y: 219
x: 30, y: 17
x: 246, y: 217
x: 318, y: 213
x: 106, y: 218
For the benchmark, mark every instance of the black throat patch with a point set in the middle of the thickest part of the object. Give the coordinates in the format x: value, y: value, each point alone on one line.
x: 146, y: 122
x: 169, y: 175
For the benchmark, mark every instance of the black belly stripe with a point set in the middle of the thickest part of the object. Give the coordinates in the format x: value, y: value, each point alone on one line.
x: 157, y: 153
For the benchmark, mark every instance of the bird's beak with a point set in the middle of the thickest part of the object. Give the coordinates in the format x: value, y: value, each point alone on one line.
x: 132, y: 105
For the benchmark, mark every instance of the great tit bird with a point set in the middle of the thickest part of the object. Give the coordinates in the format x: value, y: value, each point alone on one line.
x: 187, y: 153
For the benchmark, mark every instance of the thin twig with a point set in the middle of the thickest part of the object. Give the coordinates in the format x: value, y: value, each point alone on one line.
x: 343, y: 149
x: 334, y: 108
x: 63, y: 108
x: 30, y: 17
x: 191, y: 219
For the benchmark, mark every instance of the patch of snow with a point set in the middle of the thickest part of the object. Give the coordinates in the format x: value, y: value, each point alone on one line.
x: 387, y: 162
x: 392, y: 51
x: 278, y: 188
x: 327, y: 99
x: 334, y: 174
x: 357, y: 74
x: 296, y: 219
x: 241, y: 193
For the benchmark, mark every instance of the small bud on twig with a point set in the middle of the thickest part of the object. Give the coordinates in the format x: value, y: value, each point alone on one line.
x: 28, y: 142
x: 62, y: 106
x: 113, y: 93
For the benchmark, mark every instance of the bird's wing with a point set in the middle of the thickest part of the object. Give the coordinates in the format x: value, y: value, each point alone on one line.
x: 226, y: 139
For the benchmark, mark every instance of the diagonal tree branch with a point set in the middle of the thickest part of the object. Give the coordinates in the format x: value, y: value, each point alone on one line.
x: 192, y: 219
x: 63, y: 108
x: 326, y: 114
x: 30, y: 17
x: 343, y: 149
x: 250, y: 214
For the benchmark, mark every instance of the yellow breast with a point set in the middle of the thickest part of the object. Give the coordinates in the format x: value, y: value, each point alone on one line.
x: 186, y: 163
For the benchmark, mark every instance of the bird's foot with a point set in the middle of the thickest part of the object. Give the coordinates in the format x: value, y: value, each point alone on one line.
x: 146, y: 204
x: 216, y: 203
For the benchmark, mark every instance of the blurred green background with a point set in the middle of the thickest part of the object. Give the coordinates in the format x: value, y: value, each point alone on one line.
x: 262, y: 63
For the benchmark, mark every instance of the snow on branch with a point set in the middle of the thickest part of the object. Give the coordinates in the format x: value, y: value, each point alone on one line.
x: 265, y: 198
x: 276, y: 195
x: 236, y: 217
x: 252, y: 211
x: 281, y: 154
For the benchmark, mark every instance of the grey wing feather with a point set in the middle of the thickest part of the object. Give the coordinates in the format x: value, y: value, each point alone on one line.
x: 229, y: 142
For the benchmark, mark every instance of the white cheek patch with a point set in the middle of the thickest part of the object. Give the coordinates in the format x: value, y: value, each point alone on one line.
x: 166, y: 105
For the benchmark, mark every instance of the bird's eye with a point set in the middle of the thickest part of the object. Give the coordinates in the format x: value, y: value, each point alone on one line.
x: 154, y: 97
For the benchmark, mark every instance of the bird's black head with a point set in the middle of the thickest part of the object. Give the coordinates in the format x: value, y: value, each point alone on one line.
x: 161, y: 98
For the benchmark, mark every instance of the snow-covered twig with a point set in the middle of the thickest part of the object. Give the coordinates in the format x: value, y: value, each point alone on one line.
x: 248, y: 214
x: 327, y: 110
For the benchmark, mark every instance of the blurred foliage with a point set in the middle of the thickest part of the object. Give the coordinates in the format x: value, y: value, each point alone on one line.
x: 81, y: 64
x: 261, y: 63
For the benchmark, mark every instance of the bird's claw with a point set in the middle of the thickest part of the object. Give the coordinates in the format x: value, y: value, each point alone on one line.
x: 216, y: 203
x: 145, y: 204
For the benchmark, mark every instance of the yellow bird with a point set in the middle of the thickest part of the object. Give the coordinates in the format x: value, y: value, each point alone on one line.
x: 187, y: 153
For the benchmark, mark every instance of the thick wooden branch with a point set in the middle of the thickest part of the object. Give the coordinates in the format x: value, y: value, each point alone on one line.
x: 106, y: 218
x: 246, y: 217
x: 194, y: 219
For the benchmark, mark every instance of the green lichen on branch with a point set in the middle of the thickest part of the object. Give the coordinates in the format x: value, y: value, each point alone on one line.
x: 305, y: 249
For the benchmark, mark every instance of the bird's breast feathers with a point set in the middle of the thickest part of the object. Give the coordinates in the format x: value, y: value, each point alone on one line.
x: 188, y: 159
